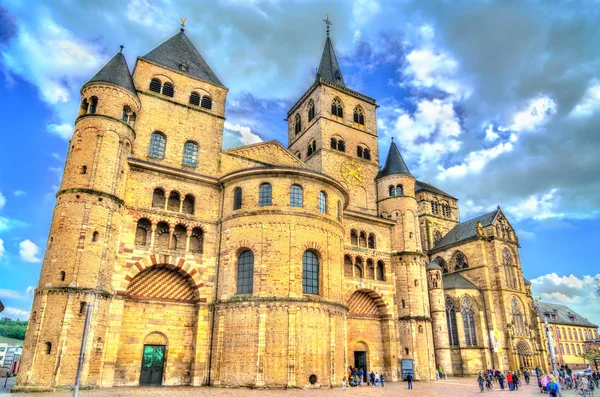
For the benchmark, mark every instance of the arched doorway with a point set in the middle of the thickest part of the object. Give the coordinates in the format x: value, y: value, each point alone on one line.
x: 524, y: 355
x: 153, y: 359
x: 368, y: 333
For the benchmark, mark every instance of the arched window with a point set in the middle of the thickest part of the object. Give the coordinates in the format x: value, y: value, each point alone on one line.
x: 95, y: 236
x: 178, y: 240
x: 403, y: 303
x: 392, y: 191
x: 367, y: 154
x: 371, y: 241
x: 380, y: 271
x: 362, y: 239
x: 570, y: 335
x: 339, y: 210
x: 206, y: 102
x: 132, y: 119
x: 297, y: 124
x: 399, y: 190
x: 358, y: 269
x: 311, y: 110
x: 310, y: 273
x: 265, y: 195
x: 158, y: 198
x: 416, y: 283
x: 509, y: 269
x: 161, y: 241
x: 370, y: 269
x: 237, y: 198
x: 174, y: 201
x: 142, y: 232
x: 155, y: 85
x: 197, y: 241
x: 420, y: 329
x: 359, y: 151
x: 48, y: 347
x: 336, y: 108
x: 353, y: 237
x: 347, y: 266
x: 469, y: 323
x: 341, y: 146
x: 568, y: 348
x: 188, y: 204
x: 322, y: 202
x: 578, y: 349
x: 126, y: 113
x: 517, y: 315
x: 440, y: 261
x: 359, y: 117
x: 63, y: 276
x: 84, y: 169
x: 168, y: 89
x: 312, y: 147
x: 245, y: 272
x: 296, y: 196
x: 195, y: 99
x: 460, y: 261
x: 451, y: 322
x: 93, y: 105
x: 437, y: 236
x: 333, y: 143
x: 157, y: 145
x: 83, y: 109
x: 434, y: 207
x: 190, y: 154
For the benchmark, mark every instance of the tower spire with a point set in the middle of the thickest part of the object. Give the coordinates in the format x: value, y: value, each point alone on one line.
x: 328, y: 23
x: 394, y: 164
x: 329, y: 68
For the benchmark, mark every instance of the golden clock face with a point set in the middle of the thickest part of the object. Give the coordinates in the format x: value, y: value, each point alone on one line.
x: 352, y: 172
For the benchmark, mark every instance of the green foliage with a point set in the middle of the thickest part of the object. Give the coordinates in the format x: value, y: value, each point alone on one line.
x: 13, y: 328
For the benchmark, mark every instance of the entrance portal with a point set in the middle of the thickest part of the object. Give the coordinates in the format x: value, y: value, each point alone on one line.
x: 153, y: 360
x: 360, y: 361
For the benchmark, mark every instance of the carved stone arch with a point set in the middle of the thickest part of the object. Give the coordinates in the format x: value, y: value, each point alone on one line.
x: 472, y: 301
x: 243, y: 244
x: 162, y: 78
x: 156, y: 338
x: 171, y: 261
x: 373, y: 293
x: 312, y: 246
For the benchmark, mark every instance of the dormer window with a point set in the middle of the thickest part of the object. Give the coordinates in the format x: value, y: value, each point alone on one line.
x: 184, y: 67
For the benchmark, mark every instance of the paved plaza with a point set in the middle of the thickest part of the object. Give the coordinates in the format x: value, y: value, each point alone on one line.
x: 450, y: 388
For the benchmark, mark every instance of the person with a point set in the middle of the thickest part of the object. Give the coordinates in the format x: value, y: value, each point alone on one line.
x: 409, y: 378
x: 376, y: 379
x: 372, y: 378
x: 480, y: 380
x: 583, y: 385
x: 516, y: 380
x: 509, y: 380
x: 361, y: 374
x: 344, y: 383
x: 488, y: 382
x: 501, y: 380
x: 382, y: 379
x: 553, y: 387
x: 526, y: 376
x: 544, y: 384
x: 440, y: 372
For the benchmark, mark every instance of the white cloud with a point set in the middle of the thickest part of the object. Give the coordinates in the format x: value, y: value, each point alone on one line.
x: 2, y: 201
x: 248, y: 137
x: 19, y: 193
x: 29, y: 251
x: 15, y: 314
x: 30, y: 289
x: 537, y: 207
x: 535, y: 113
x: 490, y: 135
x: 56, y: 156
x: 428, y: 68
x: 64, y: 131
x: 10, y: 294
x: 475, y: 161
x: 7, y: 224
x: 469, y: 209
x: 2, y: 251
x: 525, y: 234
x: 590, y: 103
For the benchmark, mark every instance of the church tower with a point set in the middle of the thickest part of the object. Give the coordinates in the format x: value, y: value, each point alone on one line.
x: 396, y: 200
x: 84, y: 234
x: 438, y: 318
x: 333, y: 129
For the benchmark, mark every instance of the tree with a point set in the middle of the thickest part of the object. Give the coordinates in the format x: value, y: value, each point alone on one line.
x: 13, y: 328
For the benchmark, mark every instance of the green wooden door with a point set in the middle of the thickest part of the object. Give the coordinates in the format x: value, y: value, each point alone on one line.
x: 153, y: 360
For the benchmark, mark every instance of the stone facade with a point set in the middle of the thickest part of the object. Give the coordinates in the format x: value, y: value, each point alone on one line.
x: 258, y: 265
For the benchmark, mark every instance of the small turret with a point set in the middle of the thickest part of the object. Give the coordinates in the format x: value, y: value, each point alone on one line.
x: 438, y: 317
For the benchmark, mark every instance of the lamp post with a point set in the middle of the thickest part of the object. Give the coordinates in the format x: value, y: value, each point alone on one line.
x: 550, y: 346
x: 82, y: 351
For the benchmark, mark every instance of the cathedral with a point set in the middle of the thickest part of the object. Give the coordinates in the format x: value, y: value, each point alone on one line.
x: 265, y: 265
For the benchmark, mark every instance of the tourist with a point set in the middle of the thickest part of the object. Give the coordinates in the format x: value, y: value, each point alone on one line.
x: 382, y: 379
x: 440, y: 372
x: 544, y: 384
x: 553, y: 387
x: 409, y: 378
x: 516, y: 380
x: 361, y: 374
x: 344, y: 383
x: 509, y: 380
x: 372, y: 378
x: 526, y: 376
x: 501, y: 380
x: 480, y: 381
x: 376, y: 379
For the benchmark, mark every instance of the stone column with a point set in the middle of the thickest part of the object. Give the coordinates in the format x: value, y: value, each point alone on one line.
x: 171, y: 231
x: 262, y: 344
x: 187, y: 239
x: 292, y: 346
x: 153, y: 229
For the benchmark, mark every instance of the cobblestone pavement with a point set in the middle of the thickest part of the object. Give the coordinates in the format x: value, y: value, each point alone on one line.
x: 458, y: 387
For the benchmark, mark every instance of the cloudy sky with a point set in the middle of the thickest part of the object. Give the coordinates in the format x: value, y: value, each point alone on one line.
x: 496, y: 102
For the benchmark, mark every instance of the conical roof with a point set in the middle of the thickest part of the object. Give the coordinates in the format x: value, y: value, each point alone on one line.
x: 178, y: 53
x: 115, y: 72
x: 394, y: 164
x: 329, y: 69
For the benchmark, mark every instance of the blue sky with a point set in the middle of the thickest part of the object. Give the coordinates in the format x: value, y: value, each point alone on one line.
x: 496, y: 102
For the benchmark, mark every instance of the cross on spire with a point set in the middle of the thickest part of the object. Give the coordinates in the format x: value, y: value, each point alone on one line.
x: 182, y: 20
x: 328, y: 23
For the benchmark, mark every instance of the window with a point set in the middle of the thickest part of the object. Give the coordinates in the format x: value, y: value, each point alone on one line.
x: 580, y: 336
x: 296, y: 196
x: 339, y: 210
x: 162, y: 236
x: 95, y: 237
x: 195, y: 99
x: 359, y: 117
x: 347, y: 266
x: 188, y: 204
x: 142, y: 232
x: 578, y: 349
x: 155, y: 85
x: 84, y: 169
x: 178, y: 240
x: 380, y: 271
x: 265, y: 193
x: 371, y: 241
x: 174, y: 201
x: 341, y: 146
x: 158, y: 198
x: 469, y: 323
x: 403, y: 303
x: 190, y: 154
x: 197, y: 241
x: 237, y: 198
x: 245, y: 272
x: 297, y: 124
x: 82, y: 307
x: 83, y: 109
x: 451, y: 322
x: 157, y: 145
x: 311, y: 110
x: 362, y: 239
x: 370, y: 269
x: 570, y: 335
x: 359, y: 151
x: 416, y: 283
x: 336, y: 108
x: 392, y: 191
x: 353, y: 237
x: 517, y: 314
x: 568, y: 348
x: 358, y: 268
x: 367, y: 154
x: 312, y: 147
x: 399, y: 190
x: 126, y: 113
x: 322, y: 202
x: 93, y: 105
x: 460, y: 261
x: 206, y: 102
x: 420, y: 329
x: 63, y: 276
x: 48, y: 347
x: 334, y: 143
x: 434, y: 207
x: 509, y: 270
x: 168, y: 90
x: 310, y: 273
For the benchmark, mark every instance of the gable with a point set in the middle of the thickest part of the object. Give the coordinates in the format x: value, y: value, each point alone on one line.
x: 263, y: 154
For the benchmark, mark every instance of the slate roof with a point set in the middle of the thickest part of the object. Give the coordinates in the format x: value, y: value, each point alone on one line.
x: 433, y: 265
x: 179, y: 50
x: 329, y: 68
x: 527, y: 282
x: 430, y: 188
x: 563, y: 312
x: 394, y: 163
x: 115, y: 72
x: 456, y: 281
x: 466, y: 230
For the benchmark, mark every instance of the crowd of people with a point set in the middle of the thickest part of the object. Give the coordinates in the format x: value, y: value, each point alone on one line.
x: 356, y: 377
x: 564, y: 378
x: 510, y: 380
